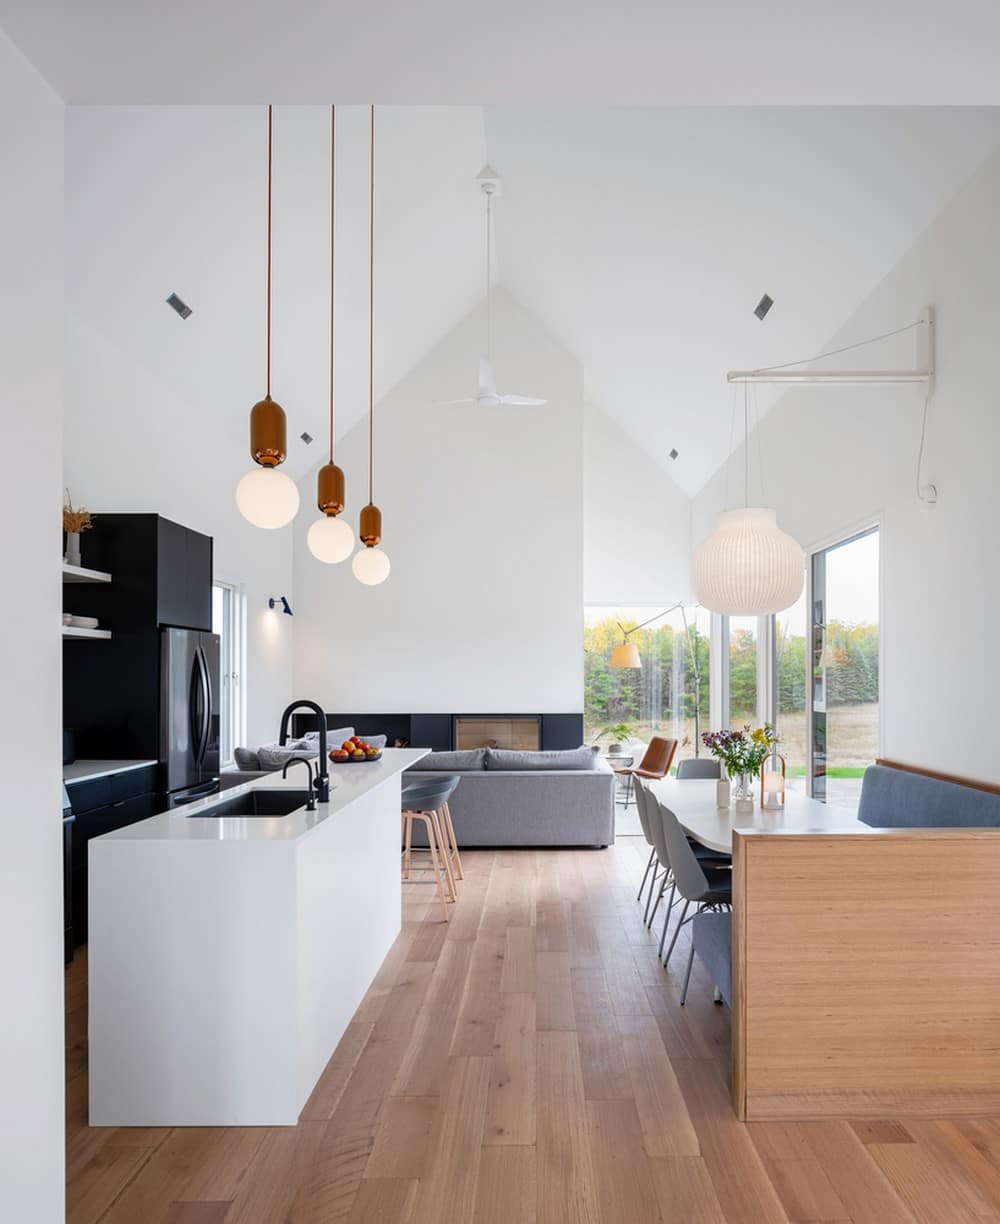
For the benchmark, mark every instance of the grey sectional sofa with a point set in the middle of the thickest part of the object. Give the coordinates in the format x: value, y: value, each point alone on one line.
x: 526, y: 799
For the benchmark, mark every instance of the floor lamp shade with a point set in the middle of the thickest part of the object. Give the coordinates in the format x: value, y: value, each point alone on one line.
x: 626, y: 655
x: 748, y: 566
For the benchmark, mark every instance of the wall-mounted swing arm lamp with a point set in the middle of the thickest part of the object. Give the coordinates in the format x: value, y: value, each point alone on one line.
x: 626, y: 654
x: 278, y: 603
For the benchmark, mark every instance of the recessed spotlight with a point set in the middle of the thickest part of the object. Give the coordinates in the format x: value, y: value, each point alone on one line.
x: 763, y: 306
x: 182, y: 308
x: 306, y: 438
x: 673, y: 453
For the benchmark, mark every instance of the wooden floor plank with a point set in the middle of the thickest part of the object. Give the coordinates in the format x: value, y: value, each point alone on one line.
x: 506, y: 1191
x: 667, y: 1129
x: 510, y: 1110
x: 933, y: 1194
x: 325, y: 1097
x: 621, y: 1167
x: 741, y: 1182
x: 400, y: 1148
x: 519, y: 962
x: 426, y: 1057
x: 382, y: 1201
x: 860, y: 1184
x: 554, y: 990
x: 684, y: 1190
x: 476, y: 1022
x: 567, y: 1186
x: 446, y: 1193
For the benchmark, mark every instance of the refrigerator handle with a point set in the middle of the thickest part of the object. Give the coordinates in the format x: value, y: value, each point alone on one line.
x: 206, y: 681
x: 195, y: 723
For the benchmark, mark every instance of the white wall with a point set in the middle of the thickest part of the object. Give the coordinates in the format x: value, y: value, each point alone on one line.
x: 636, y: 521
x: 31, y: 331
x: 482, y: 514
x: 834, y: 458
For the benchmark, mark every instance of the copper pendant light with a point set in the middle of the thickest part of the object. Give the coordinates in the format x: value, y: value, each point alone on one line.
x: 371, y: 565
x: 331, y: 538
x: 266, y: 497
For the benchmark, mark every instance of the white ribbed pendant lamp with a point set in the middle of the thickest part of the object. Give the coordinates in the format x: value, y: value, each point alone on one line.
x: 748, y: 566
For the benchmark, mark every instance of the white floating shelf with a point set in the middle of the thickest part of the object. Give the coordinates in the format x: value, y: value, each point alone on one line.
x: 79, y: 573
x: 71, y: 631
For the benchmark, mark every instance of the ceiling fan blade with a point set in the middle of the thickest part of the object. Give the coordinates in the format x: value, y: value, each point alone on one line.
x: 487, y: 380
x: 469, y: 399
x: 521, y: 401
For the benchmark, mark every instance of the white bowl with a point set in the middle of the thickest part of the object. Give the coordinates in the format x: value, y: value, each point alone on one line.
x: 84, y: 622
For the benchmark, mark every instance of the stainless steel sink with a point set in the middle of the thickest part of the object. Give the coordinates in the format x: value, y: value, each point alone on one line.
x: 260, y: 802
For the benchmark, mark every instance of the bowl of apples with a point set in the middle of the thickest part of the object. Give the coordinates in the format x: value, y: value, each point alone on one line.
x: 354, y: 751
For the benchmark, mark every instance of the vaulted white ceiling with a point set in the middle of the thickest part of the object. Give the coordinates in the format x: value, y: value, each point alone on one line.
x: 645, y: 237
x: 785, y: 52
x: 642, y: 238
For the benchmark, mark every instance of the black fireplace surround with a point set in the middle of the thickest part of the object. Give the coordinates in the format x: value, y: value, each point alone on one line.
x: 437, y: 731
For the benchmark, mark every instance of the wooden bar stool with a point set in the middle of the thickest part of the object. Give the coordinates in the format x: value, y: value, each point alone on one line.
x: 423, y: 801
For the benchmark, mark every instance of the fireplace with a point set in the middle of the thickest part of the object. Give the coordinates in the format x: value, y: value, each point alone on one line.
x: 521, y: 732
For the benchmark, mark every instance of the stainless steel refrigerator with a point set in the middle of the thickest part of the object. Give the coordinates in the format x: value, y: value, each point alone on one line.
x: 189, y: 715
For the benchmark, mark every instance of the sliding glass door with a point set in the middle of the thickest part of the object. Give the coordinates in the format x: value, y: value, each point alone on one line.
x: 844, y: 666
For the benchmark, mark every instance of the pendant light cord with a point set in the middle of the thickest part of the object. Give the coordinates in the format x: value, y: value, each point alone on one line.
x: 333, y: 205
x: 746, y: 446
x: 371, y: 316
x: 489, y: 276
x: 268, y: 294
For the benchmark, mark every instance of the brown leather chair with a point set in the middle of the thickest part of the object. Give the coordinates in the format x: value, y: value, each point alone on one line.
x: 655, y: 763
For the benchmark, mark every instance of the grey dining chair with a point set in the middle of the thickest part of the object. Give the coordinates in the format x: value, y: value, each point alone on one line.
x: 699, y: 883
x: 699, y: 767
x: 712, y: 939
x: 644, y: 803
x: 425, y: 801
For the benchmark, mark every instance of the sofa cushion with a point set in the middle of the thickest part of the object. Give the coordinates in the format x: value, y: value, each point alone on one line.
x: 504, y: 759
x: 276, y: 756
x: 464, y: 760
x: 245, y: 758
x: 335, y: 736
x: 895, y: 799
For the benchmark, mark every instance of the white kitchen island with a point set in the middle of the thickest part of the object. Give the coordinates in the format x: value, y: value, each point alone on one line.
x: 227, y: 954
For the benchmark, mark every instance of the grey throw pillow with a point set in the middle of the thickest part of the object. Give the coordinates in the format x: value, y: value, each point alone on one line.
x: 245, y: 759
x: 335, y: 736
x: 506, y: 760
x: 277, y: 757
x: 464, y: 760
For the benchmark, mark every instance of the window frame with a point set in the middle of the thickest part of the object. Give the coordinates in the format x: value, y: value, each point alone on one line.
x: 232, y: 667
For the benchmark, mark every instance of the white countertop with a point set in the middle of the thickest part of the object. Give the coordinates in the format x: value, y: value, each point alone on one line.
x: 188, y: 824
x: 81, y: 770
x: 692, y: 801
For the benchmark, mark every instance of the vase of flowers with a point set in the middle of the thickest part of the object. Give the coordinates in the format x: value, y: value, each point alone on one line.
x: 742, y: 753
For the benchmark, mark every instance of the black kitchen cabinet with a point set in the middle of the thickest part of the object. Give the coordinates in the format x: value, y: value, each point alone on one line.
x: 102, y: 805
x: 183, y: 577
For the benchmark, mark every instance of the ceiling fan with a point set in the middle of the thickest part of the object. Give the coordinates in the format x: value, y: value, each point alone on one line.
x: 487, y: 395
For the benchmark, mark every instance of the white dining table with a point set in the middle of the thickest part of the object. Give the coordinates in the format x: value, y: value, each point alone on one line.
x: 693, y: 802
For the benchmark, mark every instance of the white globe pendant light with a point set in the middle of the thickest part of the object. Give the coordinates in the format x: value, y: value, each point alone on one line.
x: 371, y: 566
x: 331, y: 539
x: 266, y: 497
x: 748, y: 566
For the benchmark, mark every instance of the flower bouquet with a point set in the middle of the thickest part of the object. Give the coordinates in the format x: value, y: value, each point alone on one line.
x: 742, y: 753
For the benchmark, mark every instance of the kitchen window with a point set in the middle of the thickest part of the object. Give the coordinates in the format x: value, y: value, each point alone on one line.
x: 227, y: 622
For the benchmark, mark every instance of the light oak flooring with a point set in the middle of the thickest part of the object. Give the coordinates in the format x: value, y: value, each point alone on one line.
x: 528, y: 1062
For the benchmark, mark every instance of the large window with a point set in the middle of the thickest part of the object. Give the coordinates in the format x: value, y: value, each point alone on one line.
x: 845, y: 666
x: 227, y: 622
x: 743, y: 667
x: 667, y: 695
x: 790, y: 716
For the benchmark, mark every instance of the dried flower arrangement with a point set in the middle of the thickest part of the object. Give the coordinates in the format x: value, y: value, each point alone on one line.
x: 75, y: 519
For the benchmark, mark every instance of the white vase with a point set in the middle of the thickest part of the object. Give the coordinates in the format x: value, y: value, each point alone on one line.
x: 73, y: 548
x: 722, y: 793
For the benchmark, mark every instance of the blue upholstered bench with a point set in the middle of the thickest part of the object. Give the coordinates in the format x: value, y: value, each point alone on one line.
x: 712, y: 936
x: 897, y: 799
